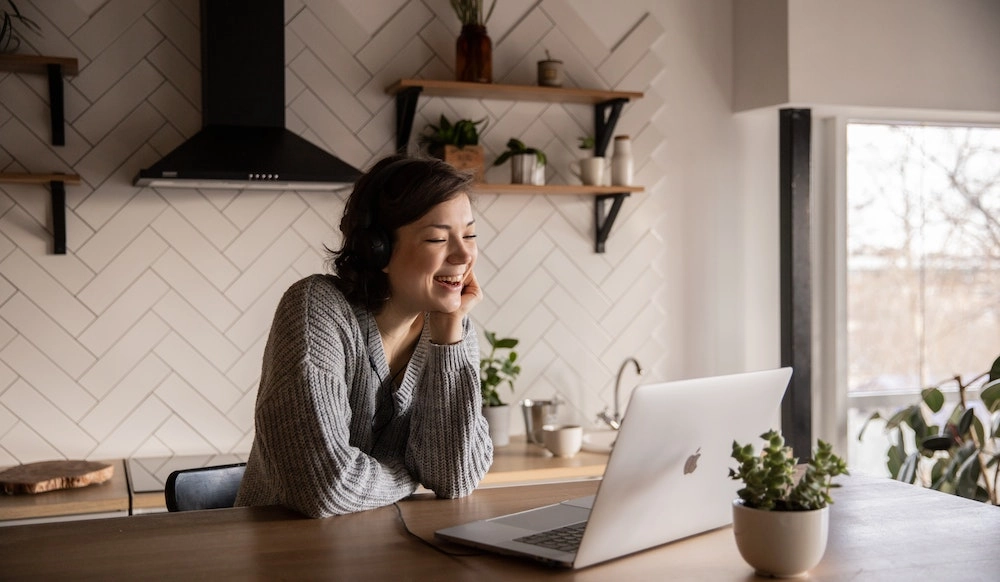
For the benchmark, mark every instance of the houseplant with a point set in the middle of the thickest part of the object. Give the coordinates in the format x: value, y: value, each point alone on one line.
x: 960, y: 457
x: 527, y: 163
x: 781, y: 524
x: 499, y: 367
x: 456, y: 143
x: 10, y: 39
x: 474, y: 49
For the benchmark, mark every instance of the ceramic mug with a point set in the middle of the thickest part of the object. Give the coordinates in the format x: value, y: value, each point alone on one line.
x: 590, y: 171
x: 563, y: 440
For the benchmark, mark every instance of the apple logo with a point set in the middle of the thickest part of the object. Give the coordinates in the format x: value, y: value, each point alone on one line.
x: 692, y: 462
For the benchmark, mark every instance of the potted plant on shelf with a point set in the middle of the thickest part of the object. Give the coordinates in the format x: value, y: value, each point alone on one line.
x: 499, y: 367
x: 963, y: 456
x: 10, y: 39
x: 589, y: 169
x: 456, y: 143
x: 781, y: 524
x: 474, y: 49
x: 527, y: 163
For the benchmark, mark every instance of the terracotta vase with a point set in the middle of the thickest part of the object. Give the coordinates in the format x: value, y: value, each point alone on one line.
x: 474, y: 55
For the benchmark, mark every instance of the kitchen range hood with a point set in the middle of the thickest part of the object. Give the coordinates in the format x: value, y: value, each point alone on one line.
x: 243, y: 142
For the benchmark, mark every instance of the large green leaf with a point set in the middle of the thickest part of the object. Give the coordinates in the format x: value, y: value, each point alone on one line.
x: 933, y: 398
x: 990, y: 395
x: 995, y: 370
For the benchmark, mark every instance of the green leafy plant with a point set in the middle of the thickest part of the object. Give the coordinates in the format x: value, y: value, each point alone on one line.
x: 498, y: 368
x: 10, y: 40
x: 769, y: 478
x: 516, y: 146
x: 470, y: 12
x: 463, y: 132
x: 587, y: 142
x: 962, y: 456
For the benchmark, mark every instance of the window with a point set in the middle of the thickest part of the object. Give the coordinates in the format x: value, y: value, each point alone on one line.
x: 923, y: 265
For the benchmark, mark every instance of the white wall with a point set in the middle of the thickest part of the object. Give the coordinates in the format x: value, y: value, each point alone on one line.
x: 145, y: 339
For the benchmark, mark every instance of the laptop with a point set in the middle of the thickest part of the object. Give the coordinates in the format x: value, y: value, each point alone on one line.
x: 667, y: 477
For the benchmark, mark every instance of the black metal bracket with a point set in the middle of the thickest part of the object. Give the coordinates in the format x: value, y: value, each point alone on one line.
x: 56, y: 113
x: 604, y: 221
x: 406, y: 110
x: 58, y: 216
x: 606, y: 115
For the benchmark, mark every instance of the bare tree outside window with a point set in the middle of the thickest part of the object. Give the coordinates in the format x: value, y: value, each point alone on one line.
x: 923, y: 256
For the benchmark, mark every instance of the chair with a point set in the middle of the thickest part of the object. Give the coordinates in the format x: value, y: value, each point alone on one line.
x: 204, y: 487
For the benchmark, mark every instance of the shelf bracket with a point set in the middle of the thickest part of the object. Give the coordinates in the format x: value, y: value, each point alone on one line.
x: 406, y: 109
x: 56, y: 107
x: 606, y: 116
x: 58, y: 188
x: 604, y: 221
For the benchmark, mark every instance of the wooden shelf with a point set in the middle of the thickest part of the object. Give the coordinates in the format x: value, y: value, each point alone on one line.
x: 37, y: 64
x: 567, y: 189
x: 434, y: 88
x: 15, y: 178
x: 607, y: 108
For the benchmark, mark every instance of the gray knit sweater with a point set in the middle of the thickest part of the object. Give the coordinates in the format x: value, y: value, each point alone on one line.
x: 332, y: 437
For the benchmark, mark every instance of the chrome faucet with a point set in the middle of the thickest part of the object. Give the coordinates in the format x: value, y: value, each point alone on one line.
x: 615, y: 420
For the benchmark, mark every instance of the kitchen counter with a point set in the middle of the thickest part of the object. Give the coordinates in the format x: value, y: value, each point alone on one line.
x: 108, y: 499
x: 138, y: 483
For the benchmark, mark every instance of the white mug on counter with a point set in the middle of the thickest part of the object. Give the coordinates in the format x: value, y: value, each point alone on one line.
x: 590, y: 171
x: 563, y: 440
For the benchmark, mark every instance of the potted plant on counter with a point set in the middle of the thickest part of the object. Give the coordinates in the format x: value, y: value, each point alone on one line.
x: 527, y: 163
x: 781, y: 524
x: 499, y: 367
x: 456, y: 143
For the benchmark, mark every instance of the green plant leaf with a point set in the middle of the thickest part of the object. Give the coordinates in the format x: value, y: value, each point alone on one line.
x: 966, y: 421
x: 995, y: 370
x: 908, y: 472
x: 874, y: 416
x: 933, y: 398
x: 990, y: 395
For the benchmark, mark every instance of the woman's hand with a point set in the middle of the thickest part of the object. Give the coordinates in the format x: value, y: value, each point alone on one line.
x: 446, y: 328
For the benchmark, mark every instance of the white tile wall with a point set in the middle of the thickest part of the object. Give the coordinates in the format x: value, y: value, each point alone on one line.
x: 146, y: 338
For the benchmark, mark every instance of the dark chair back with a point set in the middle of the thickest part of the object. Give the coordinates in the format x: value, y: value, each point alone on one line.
x: 203, y: 488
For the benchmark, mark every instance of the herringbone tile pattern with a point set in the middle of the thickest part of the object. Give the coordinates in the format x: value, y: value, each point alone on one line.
x: 145, y: 339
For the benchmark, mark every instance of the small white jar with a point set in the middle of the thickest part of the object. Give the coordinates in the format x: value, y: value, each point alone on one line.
x: 621, y: 162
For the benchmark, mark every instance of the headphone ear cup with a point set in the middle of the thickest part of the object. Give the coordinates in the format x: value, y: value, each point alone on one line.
x: 380, y: 248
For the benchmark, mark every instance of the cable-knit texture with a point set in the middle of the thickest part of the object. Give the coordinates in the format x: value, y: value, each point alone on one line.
x: 333, y: 438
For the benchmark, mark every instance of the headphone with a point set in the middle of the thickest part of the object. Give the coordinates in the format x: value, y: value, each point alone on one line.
x: 374, y: 243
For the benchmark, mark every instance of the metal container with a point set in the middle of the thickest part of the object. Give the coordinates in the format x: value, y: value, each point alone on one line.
x: 538, y: 413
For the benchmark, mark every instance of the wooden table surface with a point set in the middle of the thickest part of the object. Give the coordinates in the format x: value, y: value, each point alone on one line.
x: 881, y: 530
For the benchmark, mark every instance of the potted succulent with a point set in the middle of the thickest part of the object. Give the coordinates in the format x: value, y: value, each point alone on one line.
x: 10, y: 39
x: 527, y: 163
x: 781, y: 524
x: 962, y: 456
x: 499, y: 367
x: 456, y: 143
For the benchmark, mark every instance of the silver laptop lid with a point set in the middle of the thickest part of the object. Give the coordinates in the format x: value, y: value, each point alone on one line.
x: 667, y: 477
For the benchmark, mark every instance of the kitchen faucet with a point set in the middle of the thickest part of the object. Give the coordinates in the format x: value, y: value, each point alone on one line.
x: 615, y: 420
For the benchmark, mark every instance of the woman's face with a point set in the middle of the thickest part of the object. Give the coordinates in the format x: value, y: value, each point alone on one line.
x: 433, y: 257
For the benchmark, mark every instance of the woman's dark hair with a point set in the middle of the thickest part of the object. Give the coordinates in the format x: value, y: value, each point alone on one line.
x: 396, y: 191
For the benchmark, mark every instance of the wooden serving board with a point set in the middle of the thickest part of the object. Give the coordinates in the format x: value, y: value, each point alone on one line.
x: 51, y: 475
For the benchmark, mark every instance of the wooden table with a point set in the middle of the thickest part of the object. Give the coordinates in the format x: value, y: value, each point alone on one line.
x: 108, y: 499
x: 881, y: 530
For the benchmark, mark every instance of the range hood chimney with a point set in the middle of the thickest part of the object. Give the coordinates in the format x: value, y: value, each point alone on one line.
x: 243, y: 142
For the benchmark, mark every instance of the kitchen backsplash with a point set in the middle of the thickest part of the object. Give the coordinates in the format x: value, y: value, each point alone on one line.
x: 145, y: 339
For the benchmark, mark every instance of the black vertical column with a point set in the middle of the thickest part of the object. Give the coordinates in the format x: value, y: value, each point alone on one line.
x: 796, y: 288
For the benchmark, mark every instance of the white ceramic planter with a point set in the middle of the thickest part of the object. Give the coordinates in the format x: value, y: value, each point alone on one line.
x: 783, y: 544
x: 498, y: 418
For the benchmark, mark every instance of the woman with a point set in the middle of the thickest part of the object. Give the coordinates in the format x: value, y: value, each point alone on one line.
x: 370, y: 380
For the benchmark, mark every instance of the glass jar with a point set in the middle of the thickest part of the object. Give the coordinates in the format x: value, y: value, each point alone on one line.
x: 474, y: 55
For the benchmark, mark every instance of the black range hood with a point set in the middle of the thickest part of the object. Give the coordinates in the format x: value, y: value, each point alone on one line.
x: 243, y: 142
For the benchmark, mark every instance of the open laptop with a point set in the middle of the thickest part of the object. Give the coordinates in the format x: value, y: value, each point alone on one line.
x: 667, y: 477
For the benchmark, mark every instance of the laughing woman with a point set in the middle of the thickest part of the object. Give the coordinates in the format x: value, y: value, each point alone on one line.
x: 370, y: 379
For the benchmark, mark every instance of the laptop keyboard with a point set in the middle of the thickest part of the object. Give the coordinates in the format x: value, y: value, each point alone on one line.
x: 566, y: 538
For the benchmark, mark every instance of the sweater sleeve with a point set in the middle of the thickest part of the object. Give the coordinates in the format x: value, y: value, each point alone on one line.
x: 303, y: 455
x: 449, y: 450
